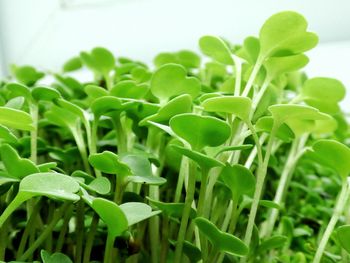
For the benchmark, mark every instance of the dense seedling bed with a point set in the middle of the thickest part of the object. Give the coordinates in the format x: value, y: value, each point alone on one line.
x: 235, y: 156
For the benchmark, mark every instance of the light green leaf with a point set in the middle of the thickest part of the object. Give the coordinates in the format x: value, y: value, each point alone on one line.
x: 216, y: 48
x: 136, y: 212
x: 108, y: 162
x: 343, y: 234
x: 16, y: 119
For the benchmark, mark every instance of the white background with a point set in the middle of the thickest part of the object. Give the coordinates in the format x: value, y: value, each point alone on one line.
x: 45, y: 33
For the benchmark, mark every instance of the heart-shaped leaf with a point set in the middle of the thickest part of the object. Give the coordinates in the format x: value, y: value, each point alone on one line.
x: 323, y: 93
x: 209, y: 131
x: 265, y: 124
x: 285, y: 34
x: 222, y: 241
x: 332, y: 154
x: 136, y: 212
x: 238, y: 179
x: 16, y: 119
x: 54, y: 258
x: 343, y: 234
x: 238, y: 106
x: 99, y: 59
x: 112, y: 215
x: 108, y: 162
x: 186, y: 58
x: 17, y: 90
x: 95, y: 92
x: 171, y: 80
x: 216, y: 48
x: 171, y: 209
x: 276, y: 66
x: 178, y: 105
x: 26, y: 75
x: 129, y: 89
x: 16, y: 166
x: 105, y: 104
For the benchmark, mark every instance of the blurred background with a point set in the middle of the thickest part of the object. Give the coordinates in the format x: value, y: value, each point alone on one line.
x: 45, y: 33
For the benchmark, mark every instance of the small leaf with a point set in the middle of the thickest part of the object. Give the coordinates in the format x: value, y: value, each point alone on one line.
x: 216, y: 48
x: 16, y: 119
x: 201, y: 159
x: 343, y: 234
x: 54, y: 258
x: 265, y: 124
x: 45, y: 93
x: 95, y: 91
x: 209, y: 131
x: 222, y: 241
x: 6, y: 135
x: 72, y: 64
x: 136, y: 212
x: 99, y: 59
x: 272, y: 243
x: 178, y: 105
x: 238, y: 179
x: 129, y: 89
x: 108, y: 162
x: 332, y: 154
x: 285, y: 34
x: 233, y: 148
x: 105, y: 104
x: 323, y: 93
x: 53, y: 185
x: 112, y: 215
x: 238, y: 106
x: 171, y: 80
x: 171, y: 209
x: 16, y: 166
x: 26, y: 75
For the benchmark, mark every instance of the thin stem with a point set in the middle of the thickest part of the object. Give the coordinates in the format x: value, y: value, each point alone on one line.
x: 57, y: 216
x: 93, y: 146
x: 64, y: 228
x: 79, y: 231
x: 108, y: 249
x: 252, y: 77
x: 338, y: 210
x: 238, y: 74
x: 261, y: 174
x: 90, y: 238
x: 186, y: 212
x: 15, y: 203
x: 260, y: 94
x: 34, y: 132
x: 79, y: 140
x: 282, y: 186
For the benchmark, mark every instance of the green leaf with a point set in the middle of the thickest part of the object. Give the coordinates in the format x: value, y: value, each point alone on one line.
x: 238, y: 106
x: 16, y: 166
x: 136, y: 212
x: 108, y: 162
x: 233, y: 148
x: 112, y: 215
x: 204, y: 161
x: 99, y: 59
x: 285, y: 34
x: 16, y: 119
x: 171, y: 209
x: 129, y: 89
x: 53, y: 185
x: 323, y: 93
x: 276, y: 66
x: 100, y: 185
x: 178, y: 105
x: 332, y: 154
x: 15, y: 103
x: 222, y: 241
x: 209, y: 131
x: 216, y: 48
x: 343, y: 234
x: 17, y: 90
x: 171, y: 80
x: 26, y: 75
x: 72, y: 64
x: 265, y: 124
x: 45, y: 93
x: 6, y: 135
x: 94, y: 91
x: 105, y: 104
x: 272, y: 243
x: 186, y: 58
x: 54, y: 258
x: 238, y: 179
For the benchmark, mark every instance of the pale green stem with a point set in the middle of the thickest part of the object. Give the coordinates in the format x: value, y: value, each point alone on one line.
x: 260, y: 94
x: 93, y: 146
x: 57, y: 216
x: 79, y: 140
x: 108, y: 249
x: 252, y: 77
x: 261, y: 174
x: 338, y: 210
x: 282, y: 185
x: 34, y: 133
x: 15, y: 203
x: 186, y: 212
x: 238, y: 74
